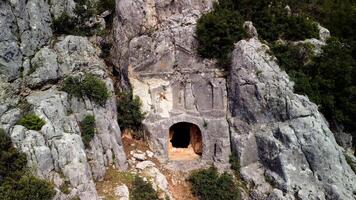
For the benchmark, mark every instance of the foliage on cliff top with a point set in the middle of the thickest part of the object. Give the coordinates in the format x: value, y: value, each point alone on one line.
x: 16, y: 182
x: 218, y: 30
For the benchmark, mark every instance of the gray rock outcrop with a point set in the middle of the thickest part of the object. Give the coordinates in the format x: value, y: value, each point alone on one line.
x: 25, y: 27
x: 282, y: 131
x: 155, y: 43
x: 57, y: 150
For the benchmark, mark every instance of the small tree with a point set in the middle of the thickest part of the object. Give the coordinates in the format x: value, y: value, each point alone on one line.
x: 129, y: 111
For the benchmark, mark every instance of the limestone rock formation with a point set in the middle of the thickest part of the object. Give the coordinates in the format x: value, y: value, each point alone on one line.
x: 283, y: 143
x: 282, y: 135
x: 156, y: 44
x: 32, y: 66
x: 57, y: 149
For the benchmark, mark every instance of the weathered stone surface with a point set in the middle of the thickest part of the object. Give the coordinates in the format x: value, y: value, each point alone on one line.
x: 25, y: 27
x: 122, y: 192
x: 144, y: 164
x: 59, y: 7
x: 58, y: 148
x: 44, y: 68
x: 294, y: 144
x: 155, y: 43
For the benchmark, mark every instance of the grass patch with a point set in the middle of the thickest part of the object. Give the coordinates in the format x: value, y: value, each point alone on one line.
x: 31, y: 122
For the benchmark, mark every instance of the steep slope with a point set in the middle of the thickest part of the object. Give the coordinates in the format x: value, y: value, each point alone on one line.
x: 281, y: 136
x: 33, y: 64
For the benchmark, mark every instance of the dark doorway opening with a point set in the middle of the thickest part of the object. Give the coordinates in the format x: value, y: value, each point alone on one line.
x: 185, y: 141
x: 181, y: 135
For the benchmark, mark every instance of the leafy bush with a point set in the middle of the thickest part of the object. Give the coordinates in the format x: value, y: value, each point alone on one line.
x: 95, y: 89
x: 92, y: 87
x: 87, y: 126
x: 12, y: 162
x: 207, y: 184
x: 142, y: 190
x: 31, y: 122
x: 129, y: 111
x: 65, y: 24
x: 72, y: 85
x: 217, y: 31
x: 15, y: 181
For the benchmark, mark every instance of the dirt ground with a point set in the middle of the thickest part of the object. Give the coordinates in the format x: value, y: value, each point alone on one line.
x: 178, y: 185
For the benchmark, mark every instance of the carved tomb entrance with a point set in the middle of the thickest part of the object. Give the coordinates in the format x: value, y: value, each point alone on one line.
x: 185, y: 142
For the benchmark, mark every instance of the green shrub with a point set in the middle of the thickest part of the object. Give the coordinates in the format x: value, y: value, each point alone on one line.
x: 15, y: 183
x: 129, y: 111
x: 104, y: 5
x: 87, y: 126
x: 217, y: 31
x: 142, y: 190
x: 31, y: 122
x: 207, y: 184
x: 12, y: 162
x: 27, y: 188
x: 72, y: 86
x: 95, y: 89
x: 91, y: 86
x: 65, y: 24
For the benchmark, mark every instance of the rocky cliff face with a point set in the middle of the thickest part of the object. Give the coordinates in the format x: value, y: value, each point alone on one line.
x: 284, y: 145
x: 33, y: 63
x: 281, y: 138
x: 156, y: 45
